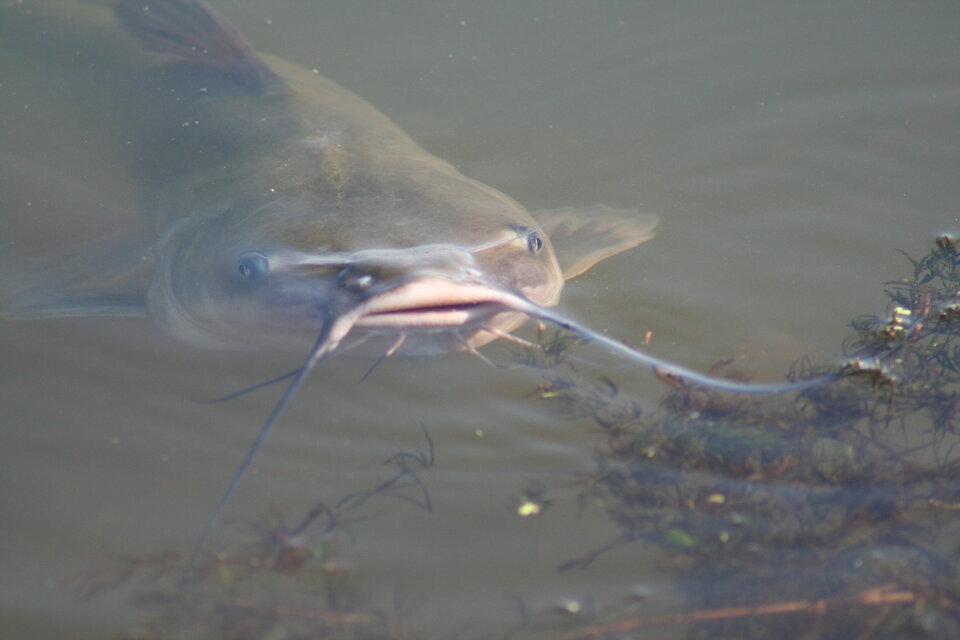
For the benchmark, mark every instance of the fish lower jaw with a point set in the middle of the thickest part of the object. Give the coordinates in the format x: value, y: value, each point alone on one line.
x: 435, y: 317
x: 433, y: 303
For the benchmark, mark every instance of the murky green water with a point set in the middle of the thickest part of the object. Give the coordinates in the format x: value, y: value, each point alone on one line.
x: 789, y: 148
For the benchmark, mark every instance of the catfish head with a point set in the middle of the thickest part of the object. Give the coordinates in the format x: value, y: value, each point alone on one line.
x: 427, y: 276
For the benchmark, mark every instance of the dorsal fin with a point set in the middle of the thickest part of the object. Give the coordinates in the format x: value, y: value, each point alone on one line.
x: 198, y: 34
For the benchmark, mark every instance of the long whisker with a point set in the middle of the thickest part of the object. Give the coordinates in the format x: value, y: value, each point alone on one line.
x: 376, y: 365
x: 509, y: 337
x: 286, y: 376
x: 661, y: 367
x: 396, y: 345
x: 532, y: 346
x: 473, y: 350
x: 259, y: 385
x: 353, y: 345
x: 321, y: 349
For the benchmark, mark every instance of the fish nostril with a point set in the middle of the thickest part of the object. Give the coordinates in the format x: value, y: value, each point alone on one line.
x: 354, y: 280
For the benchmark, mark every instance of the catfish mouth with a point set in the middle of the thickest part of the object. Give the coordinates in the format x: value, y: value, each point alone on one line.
x: 432, y: 303
x: 448, y: 315
x: 441, y: 316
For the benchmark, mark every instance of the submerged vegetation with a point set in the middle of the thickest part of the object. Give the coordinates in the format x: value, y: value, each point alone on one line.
x: 310, y: 591
x: 833, y: 513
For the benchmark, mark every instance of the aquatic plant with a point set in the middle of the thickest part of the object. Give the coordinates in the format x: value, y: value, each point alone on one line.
x: 304, y: 566
x: 829, y: 514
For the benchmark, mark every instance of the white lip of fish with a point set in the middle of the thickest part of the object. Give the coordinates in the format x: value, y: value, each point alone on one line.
x: 426, y: 303
x: 432, y: 305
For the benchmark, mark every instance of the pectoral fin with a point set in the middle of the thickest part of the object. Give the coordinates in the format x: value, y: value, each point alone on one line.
x: 72, y: 247
x: 90, y: 281
x: 582, y: 237
x: 44, y: 305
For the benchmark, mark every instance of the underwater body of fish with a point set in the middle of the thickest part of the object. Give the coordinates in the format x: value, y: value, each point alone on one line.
x: 272, y: 199
x: 260, y: 205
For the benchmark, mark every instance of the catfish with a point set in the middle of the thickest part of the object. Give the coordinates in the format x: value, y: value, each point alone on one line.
x: 278, y: 210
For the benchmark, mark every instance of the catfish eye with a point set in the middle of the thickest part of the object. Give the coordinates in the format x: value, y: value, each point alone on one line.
x: 534, y: 242
x: 253, y: 267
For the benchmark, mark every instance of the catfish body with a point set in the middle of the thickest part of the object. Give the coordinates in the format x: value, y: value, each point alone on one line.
x: 287, y: 198
x: 275, y: 198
